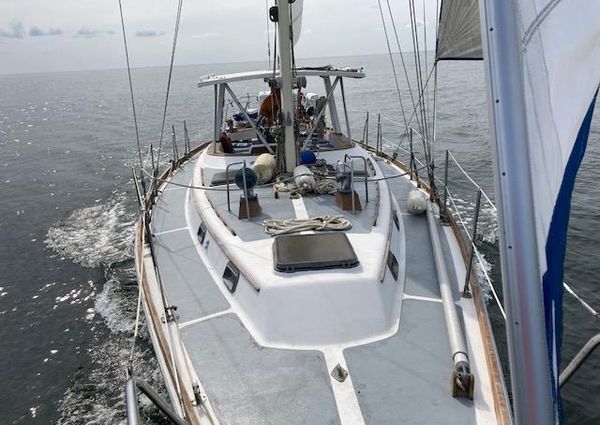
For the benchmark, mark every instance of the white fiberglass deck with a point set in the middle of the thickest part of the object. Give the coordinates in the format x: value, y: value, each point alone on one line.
x: 402, y: 377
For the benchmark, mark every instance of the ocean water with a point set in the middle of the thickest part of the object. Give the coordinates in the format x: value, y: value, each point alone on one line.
x: 67, y: 286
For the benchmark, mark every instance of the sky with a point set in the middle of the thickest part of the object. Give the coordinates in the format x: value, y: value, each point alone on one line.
x: 64, y: 35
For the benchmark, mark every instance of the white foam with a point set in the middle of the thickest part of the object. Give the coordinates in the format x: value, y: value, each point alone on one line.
x: 95, y: 396
x: 93, y: 236
x: 480, y: 271
x: 116, y: 304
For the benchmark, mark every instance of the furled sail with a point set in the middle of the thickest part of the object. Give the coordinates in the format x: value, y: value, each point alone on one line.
x: 544, y: 74
x: 297, y: 7
x: 560, y: 45
x: 459, y: 33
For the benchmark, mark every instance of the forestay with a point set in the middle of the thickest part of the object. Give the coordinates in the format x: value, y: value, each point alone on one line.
x: 560, y: 45
x: 459, y: 33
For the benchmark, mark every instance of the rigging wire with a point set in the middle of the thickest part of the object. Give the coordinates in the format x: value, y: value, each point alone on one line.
x: 422, y: 87
x: 137, y: 132
x: 387, y: 40
x: 435, y: 80
x: 415, y: 111
x: 164, y: 118
x: 291, y: 178
x: 408, y: 83
x: 268, y: 33
x: 426, y: 99
x: 417, y: 59
x: 418, y: 68
x: 275, y: 56
x: 137, y: 322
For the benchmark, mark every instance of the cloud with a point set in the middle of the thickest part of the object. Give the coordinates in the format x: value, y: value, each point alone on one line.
x: 420, y: 23
x: 90, y: 33
x: 207, y: 35
x: 17, y: 30
x: 149, y: 33
x: 38, y: 32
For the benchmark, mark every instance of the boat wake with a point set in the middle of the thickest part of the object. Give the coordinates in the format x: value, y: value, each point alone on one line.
x: 95, y: 394
x: 102, y: 236
x: 95, y: 236
x: 486, y: 239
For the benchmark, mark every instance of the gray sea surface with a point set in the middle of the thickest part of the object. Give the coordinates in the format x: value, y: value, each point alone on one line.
x: 67, y: 283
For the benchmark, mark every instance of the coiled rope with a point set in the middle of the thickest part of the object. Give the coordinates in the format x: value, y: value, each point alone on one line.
x: 295, y: 225
x: 323, y: 186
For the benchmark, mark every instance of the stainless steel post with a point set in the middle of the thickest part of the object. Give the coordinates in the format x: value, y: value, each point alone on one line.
x: 227, y: 178
x: 186, y: 138
x: 446, y: 184
x: 467, y: 290
x: 285, y: 71
x: 259, y: 134
x: 366, y: 132
x: 320, y: 114
x: 378, y: 134
x: 333, y: 113
x: 138, y: 194
x: 412, y: 165
x: 246, y: 191
x: 348, y: 130
x: 525, y: 326
x: 131, y: 400
x: 174, y: 141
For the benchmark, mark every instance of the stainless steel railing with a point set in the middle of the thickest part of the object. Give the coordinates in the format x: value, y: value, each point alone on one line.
x: 450, y: 204
x: 405, y: 150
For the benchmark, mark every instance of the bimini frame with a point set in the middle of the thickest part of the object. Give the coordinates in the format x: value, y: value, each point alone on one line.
x: 221, y: 84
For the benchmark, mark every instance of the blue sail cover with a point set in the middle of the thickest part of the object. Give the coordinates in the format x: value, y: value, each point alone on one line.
x: 555, y: 252
x: 560, y: 45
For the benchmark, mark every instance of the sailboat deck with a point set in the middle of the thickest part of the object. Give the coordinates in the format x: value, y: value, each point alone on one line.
x: 250, y: 384
x: 404, y: 378
x: 401, y: 379
x: 283, y: 208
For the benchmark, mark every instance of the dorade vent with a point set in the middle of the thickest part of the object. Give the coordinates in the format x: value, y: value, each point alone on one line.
x: 292, y: 253
x: 201, y: 233
x: 231, y: 276
x: 392, y: 263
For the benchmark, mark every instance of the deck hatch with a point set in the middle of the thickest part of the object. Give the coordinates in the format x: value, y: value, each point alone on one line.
x: 292, y: 253
x: 231, y: 276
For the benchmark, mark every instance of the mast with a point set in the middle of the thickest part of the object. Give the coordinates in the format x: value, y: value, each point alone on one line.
x: 285, y: 71
x: 522, y: 283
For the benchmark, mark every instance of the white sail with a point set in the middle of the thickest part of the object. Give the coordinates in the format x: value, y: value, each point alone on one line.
x: 544, y: 73
x: 560, y: 45
x: 297, y: 7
